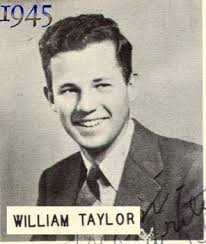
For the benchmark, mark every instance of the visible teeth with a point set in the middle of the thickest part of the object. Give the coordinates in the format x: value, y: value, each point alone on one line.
x: 91, y: 123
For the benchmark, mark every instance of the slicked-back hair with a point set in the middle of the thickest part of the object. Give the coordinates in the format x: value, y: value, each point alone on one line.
x: 75, y: 33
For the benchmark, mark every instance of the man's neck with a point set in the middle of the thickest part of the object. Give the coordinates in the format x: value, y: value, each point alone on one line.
x: 96, y: 156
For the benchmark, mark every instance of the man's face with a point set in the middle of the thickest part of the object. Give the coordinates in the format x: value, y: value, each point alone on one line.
x: 90, y: 94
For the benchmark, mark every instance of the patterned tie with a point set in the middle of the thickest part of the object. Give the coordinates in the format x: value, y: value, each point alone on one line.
x: 95, y: 174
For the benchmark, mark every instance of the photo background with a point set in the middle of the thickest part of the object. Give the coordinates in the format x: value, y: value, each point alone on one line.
x: 166, y: 38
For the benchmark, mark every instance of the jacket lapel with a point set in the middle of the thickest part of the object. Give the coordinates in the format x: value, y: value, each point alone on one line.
x: 69, y: 182
x: 67, y: 188
x: 138, y: 186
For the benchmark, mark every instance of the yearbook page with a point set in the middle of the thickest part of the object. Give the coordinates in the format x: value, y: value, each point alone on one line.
x: 101, y: 121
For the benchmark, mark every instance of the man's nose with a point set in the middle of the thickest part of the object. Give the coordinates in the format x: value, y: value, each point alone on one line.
x: 87, y: 102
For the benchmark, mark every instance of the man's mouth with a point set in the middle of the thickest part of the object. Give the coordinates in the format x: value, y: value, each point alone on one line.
x: 90, y: 123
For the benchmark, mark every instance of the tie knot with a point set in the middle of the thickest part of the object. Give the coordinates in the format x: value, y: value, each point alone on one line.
x: 94, y: 173
x: 93, y: 176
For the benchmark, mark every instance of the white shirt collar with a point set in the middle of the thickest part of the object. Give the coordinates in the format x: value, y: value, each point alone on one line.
x: 112, y: 166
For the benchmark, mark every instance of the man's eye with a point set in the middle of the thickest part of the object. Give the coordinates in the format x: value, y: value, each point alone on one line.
x: 102, y: 85
x: 69, y: 90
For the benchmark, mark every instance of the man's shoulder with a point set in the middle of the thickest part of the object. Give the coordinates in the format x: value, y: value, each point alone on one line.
x: 181, y: 147
x: 183, y: 157
x: 175, y: 153
x: 64, y: 166
x: 167, y: 144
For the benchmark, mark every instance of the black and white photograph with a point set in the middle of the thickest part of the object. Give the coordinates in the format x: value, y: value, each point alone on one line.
x: 101, y: 105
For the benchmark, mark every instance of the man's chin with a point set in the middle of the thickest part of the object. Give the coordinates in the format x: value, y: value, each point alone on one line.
x: 95, y: 146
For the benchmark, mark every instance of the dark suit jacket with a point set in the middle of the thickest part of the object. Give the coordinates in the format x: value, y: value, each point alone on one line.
x: 162, y: 175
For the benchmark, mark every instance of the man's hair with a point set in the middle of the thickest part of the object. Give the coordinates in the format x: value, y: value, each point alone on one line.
x: 75, y: 33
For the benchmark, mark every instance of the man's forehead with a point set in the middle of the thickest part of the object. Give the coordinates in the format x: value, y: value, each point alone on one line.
x: 96, y: 55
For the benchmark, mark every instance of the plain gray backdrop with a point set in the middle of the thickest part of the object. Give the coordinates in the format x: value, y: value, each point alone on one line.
x: 166, y: 37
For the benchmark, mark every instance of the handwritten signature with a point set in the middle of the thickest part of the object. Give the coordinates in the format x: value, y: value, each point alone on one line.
x: 177, y: 226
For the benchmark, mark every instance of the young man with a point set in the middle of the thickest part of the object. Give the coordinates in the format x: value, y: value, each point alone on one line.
x: 87, y: 64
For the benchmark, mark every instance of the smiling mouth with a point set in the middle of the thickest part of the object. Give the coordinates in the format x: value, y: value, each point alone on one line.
x: 90, y: 123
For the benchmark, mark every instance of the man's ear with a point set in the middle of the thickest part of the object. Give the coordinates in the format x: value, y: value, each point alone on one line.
x: 50, y: 98
x: 132, y: 87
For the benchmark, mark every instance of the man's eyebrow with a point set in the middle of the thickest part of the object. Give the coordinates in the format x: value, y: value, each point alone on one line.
x: 99, y: 79
x: 66, y: 85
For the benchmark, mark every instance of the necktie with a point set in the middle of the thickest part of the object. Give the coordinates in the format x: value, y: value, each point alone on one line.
x: 95, y: 174
x: 89, y: 195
